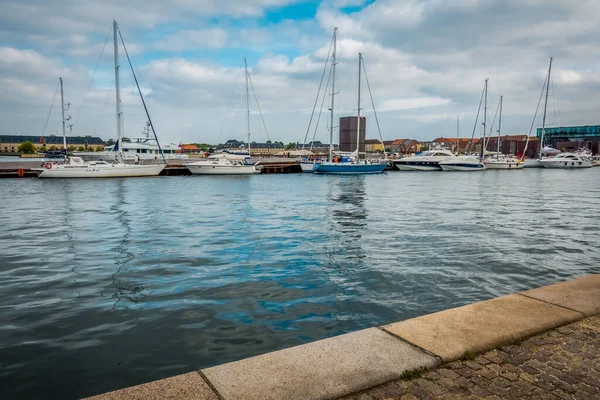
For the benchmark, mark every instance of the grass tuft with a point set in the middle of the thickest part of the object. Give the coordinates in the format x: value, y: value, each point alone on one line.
x: 413, y: 373
x: 469, y: 355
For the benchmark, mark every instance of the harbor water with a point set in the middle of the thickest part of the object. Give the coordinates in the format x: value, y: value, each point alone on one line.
x: 116, y: 282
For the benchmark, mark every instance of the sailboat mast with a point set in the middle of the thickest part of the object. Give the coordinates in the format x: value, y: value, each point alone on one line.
x: 247, y: 105
x: 545, y: 106
x: 358, y: 121
x: 499, y: 127
x: 457, y: 135
x: 332, y: 93
x: 62, y: 109
x: 118, y: 91
x: 484, y: 118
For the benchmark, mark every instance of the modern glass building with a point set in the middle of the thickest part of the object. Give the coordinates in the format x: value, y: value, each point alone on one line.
x: 570, y: 133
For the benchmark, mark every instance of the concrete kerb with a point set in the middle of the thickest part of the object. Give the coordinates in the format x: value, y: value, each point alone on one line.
x: 356, y: 361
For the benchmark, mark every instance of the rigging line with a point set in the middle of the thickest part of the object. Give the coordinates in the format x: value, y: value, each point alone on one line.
x: 50, y: 112
x: 237, y: 78
x: 93, y: 76
x: 554, y: 99
x: 492, y: 127
x: 476, y: 119
x: 102, y: 112
x: 142, y: 97
x: 321, y: 110
x: 373, y: 104
x: 318, y: 92
x: 535, y: 116
x: 258, y: 106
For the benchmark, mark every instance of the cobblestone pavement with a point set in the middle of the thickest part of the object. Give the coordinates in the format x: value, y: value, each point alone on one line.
x: 561, y: 364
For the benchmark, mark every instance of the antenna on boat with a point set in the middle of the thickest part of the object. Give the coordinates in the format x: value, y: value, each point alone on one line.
x: 333, y: 64
x: 457, y: 135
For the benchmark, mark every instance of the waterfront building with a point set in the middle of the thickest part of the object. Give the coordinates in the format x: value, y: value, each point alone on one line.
x: 317, y: 147
x: 10, y: 143
x: 189, y: 148
x: 348, y: 128
x: 570, y: 138
x: 373, y: 146
x: 513, y: 145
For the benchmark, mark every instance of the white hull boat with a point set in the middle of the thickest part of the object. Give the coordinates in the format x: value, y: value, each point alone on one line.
x: 533, y: 163
x: 503, y: 162
x: 76, y: 168
x: 307, y: 166
x: 567, y: 161
x: 427, y: 161
x: 223, y: 164
x: 463, y: 163
x: 504, y: 165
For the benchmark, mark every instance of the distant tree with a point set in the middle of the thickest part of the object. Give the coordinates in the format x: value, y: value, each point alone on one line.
x: 110, y: 142
x: 70, y: 148
x: 281, y: 143
x: 81, y: 148
x: 91, y: 148
x: 290, y: 145
x: 99, y: 148
x: 43, y: 148
x: 269, y: 141
x: 211, y: 150
x: 52, y: 148
x: 26, y: 147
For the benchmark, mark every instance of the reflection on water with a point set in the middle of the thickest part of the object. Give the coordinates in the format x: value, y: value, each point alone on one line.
x: 117, y: 282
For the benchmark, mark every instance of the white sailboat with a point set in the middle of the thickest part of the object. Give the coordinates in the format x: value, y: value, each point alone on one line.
x: 499, y: 160
x: 354, y: 165
x: 228, y: 164
x: 75, y: 167
x: 543, y: 150
x: 468, y: 162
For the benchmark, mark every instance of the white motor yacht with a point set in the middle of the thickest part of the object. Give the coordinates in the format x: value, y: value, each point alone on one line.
x: 596, y: 160
x: 223, y: 164
x: 426, y: 161
x: 567, y: 161
x: 463, y: 163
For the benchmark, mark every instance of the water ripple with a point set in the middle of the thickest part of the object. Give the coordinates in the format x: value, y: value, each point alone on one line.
x: 117, y: 282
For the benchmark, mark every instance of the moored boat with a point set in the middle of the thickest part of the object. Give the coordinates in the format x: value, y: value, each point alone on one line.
x: 426, y: 161
x: 463, y: 163
x: 223, y: 164
x: 567, y: 161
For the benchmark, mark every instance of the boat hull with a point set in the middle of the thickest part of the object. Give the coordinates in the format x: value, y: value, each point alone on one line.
x: 307, y: 166
x: 566, y: 164
x: 216, y: 169
x: 533, y: 163
x: 504, y: 165
x: 430, y: 166
x: 108, y: 171
x: 348, y: 168
x: 463, y: 166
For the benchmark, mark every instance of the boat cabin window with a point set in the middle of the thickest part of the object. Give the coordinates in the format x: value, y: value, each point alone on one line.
x: 247, y: 161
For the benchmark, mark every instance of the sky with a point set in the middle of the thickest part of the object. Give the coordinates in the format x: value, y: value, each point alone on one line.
x: 426, y: 62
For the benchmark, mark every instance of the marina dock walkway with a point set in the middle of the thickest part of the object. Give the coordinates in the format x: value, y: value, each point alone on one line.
x: 541, y: 343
